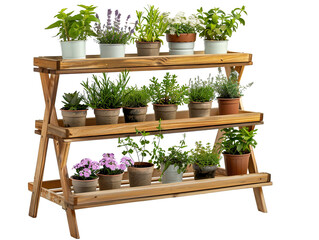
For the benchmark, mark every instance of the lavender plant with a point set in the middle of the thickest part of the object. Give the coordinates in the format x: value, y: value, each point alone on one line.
x: 86, y: 169
x: 113, y: 33
x: 111, y: 167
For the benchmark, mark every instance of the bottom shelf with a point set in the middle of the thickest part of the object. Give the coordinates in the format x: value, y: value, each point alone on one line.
x: 52, y: 190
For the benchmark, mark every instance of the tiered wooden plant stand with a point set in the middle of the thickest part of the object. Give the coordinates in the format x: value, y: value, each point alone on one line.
x: 60, y: 191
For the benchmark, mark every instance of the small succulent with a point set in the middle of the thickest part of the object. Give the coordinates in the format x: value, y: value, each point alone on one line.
x: 72, y: 101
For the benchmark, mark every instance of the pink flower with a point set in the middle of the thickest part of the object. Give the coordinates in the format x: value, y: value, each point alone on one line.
x: 122, y: 166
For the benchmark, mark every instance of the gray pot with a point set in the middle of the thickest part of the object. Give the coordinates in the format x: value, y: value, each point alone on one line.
x: 204, y: 172
x: 107, y: 182
x: 140, y: 174
x: 73, y: 49
x: 107, y: 116
x: 135, y: 114
x: 80, y: 186
x: 181, y: 48
x: 112, y: 50
x: 199, y: 109
x: 148, y: 48
x: 74, y: 118
x: 171, y: 175
x: 165, y: 111
x: 216, y: 47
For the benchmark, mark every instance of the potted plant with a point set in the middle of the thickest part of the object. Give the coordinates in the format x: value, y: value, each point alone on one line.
x: 218, y: 26
x: 166, y: 96
x: 85, y: 178
x: 149, y: 29
x: 74, y: 30
x: 181, y: 34
x: 73, y: 112
x: 229, y: 92
x: 112, y: 38
x: 105, y: 97
x: 205, y: 161
x: 200, y: 96
x: 135, y: 104
x: 235, y: 146
x: 111, y: 173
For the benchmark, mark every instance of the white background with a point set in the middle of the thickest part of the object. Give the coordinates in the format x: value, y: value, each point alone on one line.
x: 281, y: 35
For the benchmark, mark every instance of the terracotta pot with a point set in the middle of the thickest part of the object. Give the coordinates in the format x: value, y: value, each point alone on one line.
x: 148, y: 48
x: 134, y: 114
x: 228, y: 106
x: 74, y: 118
x: 183, y: 37
x: 236, y: 164
x: 107, y: 116
x: 80, y: 186
x: 204, y: 172
x: 140, y: 174
x: 199, y: 109
x: 165, y: 111
x: 107, y: 182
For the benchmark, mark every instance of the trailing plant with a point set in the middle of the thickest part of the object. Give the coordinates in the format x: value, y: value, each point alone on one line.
x: 136, y: 97
x: 217, y: 25
x: 72, y: 101
x: 151, y: 27
x: 86, y: 169
x: 180, y: 24
x: 111, y: 167
x: 204, y: 155
x: 229, y: 87
x: 200, y: 90
x: 168, y: 91
x: 113, y: 33
x: 237, y: 142
x: 76, y: 27
x: 105, y: 94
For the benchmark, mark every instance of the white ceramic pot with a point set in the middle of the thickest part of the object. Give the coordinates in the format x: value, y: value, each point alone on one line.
x: 112, y: 50
x: 171, y: 175
x: 216, y: 47
x: 181, y: 48
x: 73, y: 50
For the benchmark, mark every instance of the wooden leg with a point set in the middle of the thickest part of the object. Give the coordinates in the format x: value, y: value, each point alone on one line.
x: 73, y: 227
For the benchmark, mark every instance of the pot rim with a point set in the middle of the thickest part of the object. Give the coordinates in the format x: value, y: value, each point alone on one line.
x: 157, y: 104
x: 74, y: 41
x: 109, y: 109
x: 182, y: 34
x: 157, y: 42
x: 84, y: 180
x: 134, y: 107
x: 202, y: 102
x: 113, y: 44
x: 100, y: 174
x: 227, y: 98
x: 74, y: 110
x: 151, y: 165
x: 245, y: 154
x: 216, y: 40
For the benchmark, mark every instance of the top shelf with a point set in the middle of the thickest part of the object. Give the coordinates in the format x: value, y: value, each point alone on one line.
x: 132, y: 62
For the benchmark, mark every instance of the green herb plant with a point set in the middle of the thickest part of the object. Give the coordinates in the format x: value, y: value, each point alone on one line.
x: 237, y: 141
x: 200, y: 90
x: 136, y: 97
x: 105, y: 94
x: 75, y: 27
x: 217, y: 25
x: 204, y: 155
x: 72, y: 101
x: 168, y: 91
x: 181, y: 24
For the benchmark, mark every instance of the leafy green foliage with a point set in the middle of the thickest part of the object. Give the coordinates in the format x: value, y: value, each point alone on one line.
x: 204, y: 155
x: 105, y: 94
x: 218, y: 25
x: 229, y: 87
x: 72, y: 101
x: 135, y: 97
x: 168, y: 91
x: 237, y: 142
x: 200, y: 90
x: 151, y: 27
x: 76, y: 27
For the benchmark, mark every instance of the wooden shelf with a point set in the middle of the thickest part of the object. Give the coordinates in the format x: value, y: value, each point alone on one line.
x: 181, y: 124
x: 52, y: 190
x: 132, y: 62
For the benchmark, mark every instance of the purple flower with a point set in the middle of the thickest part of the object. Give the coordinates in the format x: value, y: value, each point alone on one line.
x: 122, y: 166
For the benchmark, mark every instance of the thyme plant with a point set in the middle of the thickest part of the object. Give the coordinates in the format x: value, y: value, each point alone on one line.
x: 200, y: 90
x: 136, y: 97
x: 204, y: 155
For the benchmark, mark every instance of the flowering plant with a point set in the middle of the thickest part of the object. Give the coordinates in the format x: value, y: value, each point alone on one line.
x: 108, y: 34
x: 111, y: 167
x: 180, y: 24
x: 86, y: 169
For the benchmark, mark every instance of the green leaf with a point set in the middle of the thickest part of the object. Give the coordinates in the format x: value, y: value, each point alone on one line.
x: 54, y: 25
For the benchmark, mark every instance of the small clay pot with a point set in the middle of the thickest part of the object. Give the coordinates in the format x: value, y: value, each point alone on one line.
x: 199, y: 109
x: 228, y: 106
x: 140, y: 174
x: 165, y: 111
x: 204, y: 172
x: 107, y: 182
x: 171, y: 175
x: 107, y: 116
x: 74, y: 118
x: 236, y: 164
x: 134, y: 114
x: 148, y: 48
x: 80, y: 186
x: 183, y: 37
